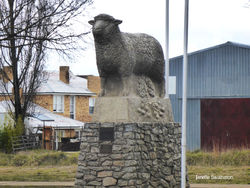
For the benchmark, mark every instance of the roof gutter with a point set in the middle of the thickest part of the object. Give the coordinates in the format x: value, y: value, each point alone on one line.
x: 64, y: 93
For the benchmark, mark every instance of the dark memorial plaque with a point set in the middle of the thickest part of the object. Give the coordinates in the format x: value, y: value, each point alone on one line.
x: 106, y: 148
x: 106, y: 134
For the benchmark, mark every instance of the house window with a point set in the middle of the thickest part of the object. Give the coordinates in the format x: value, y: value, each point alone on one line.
x: 91, y: 105
x: 58, y: 103
x: 72, y: 107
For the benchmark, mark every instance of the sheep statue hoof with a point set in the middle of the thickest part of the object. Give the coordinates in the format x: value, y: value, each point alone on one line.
x: 131, y: 68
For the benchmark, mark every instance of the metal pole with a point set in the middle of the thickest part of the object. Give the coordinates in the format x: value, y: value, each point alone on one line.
x: 184, y: 98
x: 44, y: 135
x: 167, y: 52
x: 56, y: 140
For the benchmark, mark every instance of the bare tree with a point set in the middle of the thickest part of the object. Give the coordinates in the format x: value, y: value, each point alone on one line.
x: 28, y: 30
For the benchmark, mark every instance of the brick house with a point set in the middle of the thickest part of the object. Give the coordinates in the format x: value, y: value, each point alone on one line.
x: 94, y: 85
x: 63, y: 94
x: 66, y: 94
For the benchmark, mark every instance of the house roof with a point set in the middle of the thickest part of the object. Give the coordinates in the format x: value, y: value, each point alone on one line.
x: 228, y: 43
x: 43, y: 117
x: 76, y: 86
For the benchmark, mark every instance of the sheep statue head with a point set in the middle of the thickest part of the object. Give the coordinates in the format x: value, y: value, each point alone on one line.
x: 104, y: 26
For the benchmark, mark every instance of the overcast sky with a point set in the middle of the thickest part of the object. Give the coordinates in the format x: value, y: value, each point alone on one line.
x: 211, y: 22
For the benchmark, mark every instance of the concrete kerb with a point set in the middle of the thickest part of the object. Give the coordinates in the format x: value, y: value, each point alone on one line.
x: 71, y: 184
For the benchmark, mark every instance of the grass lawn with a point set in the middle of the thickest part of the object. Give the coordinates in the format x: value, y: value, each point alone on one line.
x: 224, y: 174
x: 42, y: 165
x: 44, y: 173
x: 67, y: 173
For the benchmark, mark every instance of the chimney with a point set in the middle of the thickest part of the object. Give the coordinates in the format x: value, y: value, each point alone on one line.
x: 94, y: 84
x: 64, y: 74
x: 7, y: 74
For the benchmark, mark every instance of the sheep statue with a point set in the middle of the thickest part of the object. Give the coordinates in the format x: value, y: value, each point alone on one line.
x: 132, y: 135
x: 131, y: 68
x: 128, y: 64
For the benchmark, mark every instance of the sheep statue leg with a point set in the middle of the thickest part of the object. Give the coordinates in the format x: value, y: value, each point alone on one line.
x: 102, y: 93
x: 126, y: 86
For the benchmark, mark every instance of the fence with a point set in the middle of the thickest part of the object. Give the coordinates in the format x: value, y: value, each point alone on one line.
x: 21, y: 143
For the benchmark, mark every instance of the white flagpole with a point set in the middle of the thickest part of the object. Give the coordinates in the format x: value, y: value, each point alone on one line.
x: 184, y: 98
x: 167, y: 52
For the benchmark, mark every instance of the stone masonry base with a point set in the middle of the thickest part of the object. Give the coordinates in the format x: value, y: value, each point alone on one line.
x: 130, y: 155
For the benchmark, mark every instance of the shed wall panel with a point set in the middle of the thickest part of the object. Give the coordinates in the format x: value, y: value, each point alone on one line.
x: 221, y: 72
x: 193, y: 120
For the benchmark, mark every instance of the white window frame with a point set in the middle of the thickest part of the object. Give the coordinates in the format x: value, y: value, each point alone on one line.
x: 74, y: 107
x: 91, y: 105
x: 58, y: 103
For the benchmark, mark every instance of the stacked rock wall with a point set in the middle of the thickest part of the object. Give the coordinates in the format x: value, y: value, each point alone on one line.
x: 130, y: 155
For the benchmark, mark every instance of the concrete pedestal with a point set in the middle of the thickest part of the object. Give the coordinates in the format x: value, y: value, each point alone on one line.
x: 130, y: 155
x: 132, y: 109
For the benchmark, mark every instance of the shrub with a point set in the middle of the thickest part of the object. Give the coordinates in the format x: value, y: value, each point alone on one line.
x: 20, y: 160
x: 39, y: 158
x: 5, y: 159
x: 8, y: 131
x: 52, y: 158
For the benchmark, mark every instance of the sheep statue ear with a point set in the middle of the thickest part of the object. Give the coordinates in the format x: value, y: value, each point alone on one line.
x: 117, y: 22
x: 91, y: 22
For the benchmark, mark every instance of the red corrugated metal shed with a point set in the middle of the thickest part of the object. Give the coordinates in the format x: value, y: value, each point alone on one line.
x: 225, y: 124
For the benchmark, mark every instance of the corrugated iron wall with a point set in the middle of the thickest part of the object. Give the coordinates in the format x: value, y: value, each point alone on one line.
x: 193, y: 120
x: 225, y: 124
x: 219, y: 72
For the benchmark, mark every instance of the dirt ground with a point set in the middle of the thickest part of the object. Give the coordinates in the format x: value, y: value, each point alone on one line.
x: 71, y: 184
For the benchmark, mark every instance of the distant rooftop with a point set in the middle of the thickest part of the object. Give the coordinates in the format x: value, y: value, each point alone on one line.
x: 229, y: 43
x: 76, y: 86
